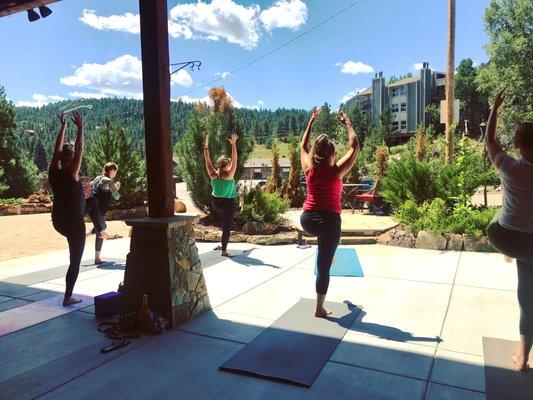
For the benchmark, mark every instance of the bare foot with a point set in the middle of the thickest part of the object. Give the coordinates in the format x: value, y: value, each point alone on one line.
x: 520, y: 363
x: 225, y: 254
x: 508, y: 259
x: 322, y: 313
x: 68, y: 301
x: 98, y: 261
x: 103, y: 235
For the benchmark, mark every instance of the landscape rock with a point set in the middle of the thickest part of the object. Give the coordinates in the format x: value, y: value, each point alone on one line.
x: 455, y: 241
x: 481, y: 244
x: 179, y: 206
x: 397, y: 237
x: 431, y: 241
x: 258, y: 228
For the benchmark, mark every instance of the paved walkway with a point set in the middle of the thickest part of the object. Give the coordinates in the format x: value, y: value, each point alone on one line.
x: 409, y: 297
x: 26, y: 235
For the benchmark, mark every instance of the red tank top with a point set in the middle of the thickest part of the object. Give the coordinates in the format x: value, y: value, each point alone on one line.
x: 323, y: 189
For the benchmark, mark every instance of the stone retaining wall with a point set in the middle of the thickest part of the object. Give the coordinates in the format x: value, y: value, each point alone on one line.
x: 432, y: 241
x: 40, y: 208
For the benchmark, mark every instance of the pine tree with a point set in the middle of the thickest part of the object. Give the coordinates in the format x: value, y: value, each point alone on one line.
x: 274, y: 180
x: 112, y: 143
x: 39, y: 155
x: 291, y: 189
x: 420, y: 150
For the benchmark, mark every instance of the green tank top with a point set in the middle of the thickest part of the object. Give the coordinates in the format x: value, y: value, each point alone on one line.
x: 224, y: 188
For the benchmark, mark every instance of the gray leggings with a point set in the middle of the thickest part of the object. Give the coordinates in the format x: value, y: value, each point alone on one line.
x: 518, y: 245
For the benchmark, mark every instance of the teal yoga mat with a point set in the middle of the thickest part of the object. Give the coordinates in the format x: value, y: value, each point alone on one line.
x: 345, y: 263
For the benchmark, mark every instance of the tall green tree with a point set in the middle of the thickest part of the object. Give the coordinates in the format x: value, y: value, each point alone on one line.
x: 291, y: 189
x: 20, y: 175
x: 474, y: 105
x: 510, y: 49
x: 112, y: 143
x: 274, y: 181
x: 40, y: 157
x: 218, y: 121
x: 327, y: 122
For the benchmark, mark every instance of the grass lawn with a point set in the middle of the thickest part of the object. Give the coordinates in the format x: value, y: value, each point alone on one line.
x: 260, y: 151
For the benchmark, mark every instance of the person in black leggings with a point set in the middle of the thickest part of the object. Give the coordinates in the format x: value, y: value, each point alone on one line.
x: 511, y: 231
x: 69, y: 200
x: 322, y: 207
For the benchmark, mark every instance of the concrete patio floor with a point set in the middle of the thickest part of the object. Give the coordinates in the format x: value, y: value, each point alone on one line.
x: 410, y: 298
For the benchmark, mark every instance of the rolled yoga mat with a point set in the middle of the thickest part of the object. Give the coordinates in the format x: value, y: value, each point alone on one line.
x: 345, y: 263
x: 296, y: 346
x: 502, y: 381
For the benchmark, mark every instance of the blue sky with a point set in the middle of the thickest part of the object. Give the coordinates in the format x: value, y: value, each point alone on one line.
x: 91, y: 48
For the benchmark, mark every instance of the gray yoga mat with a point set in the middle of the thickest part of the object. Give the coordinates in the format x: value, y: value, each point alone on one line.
x: 502, y: 382
x: 296, y: 346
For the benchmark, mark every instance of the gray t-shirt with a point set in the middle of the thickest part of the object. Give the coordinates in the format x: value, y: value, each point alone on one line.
x: 517, y: 182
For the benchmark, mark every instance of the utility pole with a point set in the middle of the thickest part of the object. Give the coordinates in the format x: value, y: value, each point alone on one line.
x: 450, y: 81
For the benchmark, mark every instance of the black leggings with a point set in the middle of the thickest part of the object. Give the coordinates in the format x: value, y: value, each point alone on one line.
x: 226, y: 210
x: 326, y: 226
x: 74, y: 231
x: 97, y: 215
x: 518, y: 245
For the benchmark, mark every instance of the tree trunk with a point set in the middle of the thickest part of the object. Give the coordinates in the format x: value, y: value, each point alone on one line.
x: 450, y: 81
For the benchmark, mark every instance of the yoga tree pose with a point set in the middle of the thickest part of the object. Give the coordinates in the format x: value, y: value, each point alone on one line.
x: 511, y: 231
x: 223, y: 187
x: 322, y: 207
x: 69, y: 200
x: 103, y: 190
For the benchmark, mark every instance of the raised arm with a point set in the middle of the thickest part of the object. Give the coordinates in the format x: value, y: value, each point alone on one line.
x: 347, y: 161
x: 75, y: 166
x: 54, y: 164
x: 207, y: 158
x: 495, y: 150
x: 233, y: 164
x: 304, y: 144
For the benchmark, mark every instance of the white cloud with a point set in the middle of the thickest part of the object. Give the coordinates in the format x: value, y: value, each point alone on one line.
x: 418, y: 66
x: 39, y: 100
x: 220, y: 19
x: 260, y: 103
x: 356, y: 67
x: 187, y: 99
x: 87, y: 95
x: 217, y: 20
x: 350, y: 94
x: 119, y: 77
x: 223, y: 75
x: 290, y: 14
x: 337, y: 64
x: 127, y: 22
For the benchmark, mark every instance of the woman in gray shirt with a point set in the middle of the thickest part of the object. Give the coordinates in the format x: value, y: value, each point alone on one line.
x: 511, y: 233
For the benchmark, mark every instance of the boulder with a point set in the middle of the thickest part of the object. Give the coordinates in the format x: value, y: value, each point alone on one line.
x: 280, y: 238
x: 179, y: 206
x: 431, y: 241
x: 397, y: 237
x: 259, y: 228
x: 238, y: 237
x: 455, y: 241
x: 481, y: 244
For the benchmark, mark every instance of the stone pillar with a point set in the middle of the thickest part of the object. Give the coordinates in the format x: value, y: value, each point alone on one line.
x: 164, y: 264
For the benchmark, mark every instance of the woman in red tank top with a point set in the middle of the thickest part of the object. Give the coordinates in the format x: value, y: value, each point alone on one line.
x: 322, y: 207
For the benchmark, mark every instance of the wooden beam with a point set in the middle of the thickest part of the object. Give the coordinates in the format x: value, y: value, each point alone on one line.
x: 8, y: 7
x: 450, y: 82
x: 156, y: 89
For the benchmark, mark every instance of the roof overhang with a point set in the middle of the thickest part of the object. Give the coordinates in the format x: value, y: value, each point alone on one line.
x: 8, y: 7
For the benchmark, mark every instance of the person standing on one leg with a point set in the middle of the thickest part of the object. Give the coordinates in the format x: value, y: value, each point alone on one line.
x: 223, y: 187
x: 69, y: 199
x: 322, y: 207
x: 104, y: 189
x: 511, y: 232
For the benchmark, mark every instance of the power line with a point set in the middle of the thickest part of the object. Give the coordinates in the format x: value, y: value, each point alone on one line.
x: 323, y: 22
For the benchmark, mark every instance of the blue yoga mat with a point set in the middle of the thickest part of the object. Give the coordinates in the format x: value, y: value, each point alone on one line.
x: 345, y: 263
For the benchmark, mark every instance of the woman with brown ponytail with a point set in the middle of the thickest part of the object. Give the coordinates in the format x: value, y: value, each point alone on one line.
x: 322, y: 207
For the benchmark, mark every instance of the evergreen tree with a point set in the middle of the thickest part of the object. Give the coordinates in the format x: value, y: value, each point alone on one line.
x: 292, y: 190
x: 112, y: 143
x: 20, y: 175
x: 474, y: 105
x: 40, y: 157
x: 274, y: 180
x: 327, y: 122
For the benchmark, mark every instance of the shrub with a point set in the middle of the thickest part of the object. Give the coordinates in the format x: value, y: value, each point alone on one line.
x: 291, y: 188
x: 260, y: 206
x: 11, y: 201
x: 436, y: 217
x: 274, y: 180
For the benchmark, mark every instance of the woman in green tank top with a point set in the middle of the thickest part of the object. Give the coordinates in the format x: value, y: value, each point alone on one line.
x: 223, y: 187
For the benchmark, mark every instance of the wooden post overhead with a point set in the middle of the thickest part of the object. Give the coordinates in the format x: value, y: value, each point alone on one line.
x: 450, y: 82
x: 156, y: 90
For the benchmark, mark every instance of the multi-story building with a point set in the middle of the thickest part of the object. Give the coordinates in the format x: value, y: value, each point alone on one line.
x: 406, y: 98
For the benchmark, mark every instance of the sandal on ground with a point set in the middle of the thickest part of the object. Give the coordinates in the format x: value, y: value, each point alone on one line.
x: 116, y: 344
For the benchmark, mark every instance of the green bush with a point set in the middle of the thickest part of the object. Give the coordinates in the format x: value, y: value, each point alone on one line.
x: 437, y: 217
x: 11, y: 202
x: 260, y: 206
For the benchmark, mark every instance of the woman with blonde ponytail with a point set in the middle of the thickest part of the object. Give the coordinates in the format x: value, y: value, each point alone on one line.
x: 322, y: 207
x: 223, y: 187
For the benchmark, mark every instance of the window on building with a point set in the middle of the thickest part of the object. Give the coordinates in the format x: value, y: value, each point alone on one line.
x: 394, y: 126
x: 403, y: 125
x: 394, y: 92
x: 401, y: 90
x: 394, y: 107
x: 403, y: 107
